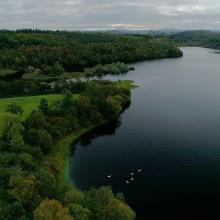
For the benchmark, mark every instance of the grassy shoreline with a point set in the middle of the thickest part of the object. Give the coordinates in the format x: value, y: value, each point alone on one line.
x: 62, y: 150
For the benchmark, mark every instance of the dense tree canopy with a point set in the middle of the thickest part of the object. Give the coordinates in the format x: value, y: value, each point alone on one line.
x: 75, y: 50
x: 31, y: 187
x: 51, y: 210
x: 199, y: 38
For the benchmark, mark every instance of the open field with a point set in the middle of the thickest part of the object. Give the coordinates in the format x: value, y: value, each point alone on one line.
x: 127, y: 84
x: 28, y: 104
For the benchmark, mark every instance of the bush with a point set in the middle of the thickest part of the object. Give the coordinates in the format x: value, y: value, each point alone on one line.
x: 73, y: 197
x: 15, y: 108
x: 79, y: 212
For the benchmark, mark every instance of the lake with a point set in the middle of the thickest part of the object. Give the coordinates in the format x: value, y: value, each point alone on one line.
x: 171, y: 131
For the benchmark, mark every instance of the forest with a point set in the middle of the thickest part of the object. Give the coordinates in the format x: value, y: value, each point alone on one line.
x: 76, y: 50
x: 31, y: 177
x: 199, y: 38
x: 44, y: 102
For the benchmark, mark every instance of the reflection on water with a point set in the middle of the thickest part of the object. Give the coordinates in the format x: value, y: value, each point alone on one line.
x: 104, y: 130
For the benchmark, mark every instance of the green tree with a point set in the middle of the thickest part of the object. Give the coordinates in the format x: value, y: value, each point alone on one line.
x: 13, y: 133
x: 23, y: 189
x: 67, y: 101
x: 46, y: 183
x: 26, y: 161
x: 73, y: 197
x: 40, y: 138
x: 79, y: 212
x: 58, y: 69
x: 114, y: 105
x: 43, y: 107
x: 20, y: 62
x: 37, y: 120
x: 15, y: 108
x: 105, y: 206
x: 119, y: 211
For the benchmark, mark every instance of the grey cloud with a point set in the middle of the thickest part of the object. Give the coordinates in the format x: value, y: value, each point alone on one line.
x: 82, y: 14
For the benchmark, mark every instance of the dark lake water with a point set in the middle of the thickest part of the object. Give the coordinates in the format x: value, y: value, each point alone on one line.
x: 171, y: 131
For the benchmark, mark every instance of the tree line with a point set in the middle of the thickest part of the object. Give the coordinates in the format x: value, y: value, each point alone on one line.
x: 78, y: 50
x: 199, y: 38
x: 17, y: 88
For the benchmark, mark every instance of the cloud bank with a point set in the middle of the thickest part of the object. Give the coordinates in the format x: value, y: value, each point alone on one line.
x: 110, y: 14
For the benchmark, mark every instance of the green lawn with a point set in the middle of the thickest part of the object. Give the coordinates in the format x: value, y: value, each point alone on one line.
x: 127, y: 84
x: 28, y: 104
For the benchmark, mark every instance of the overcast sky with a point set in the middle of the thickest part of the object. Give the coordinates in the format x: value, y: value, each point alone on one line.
x: 102, y: 14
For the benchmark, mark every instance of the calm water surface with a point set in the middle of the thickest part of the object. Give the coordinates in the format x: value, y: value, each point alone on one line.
x: 171, y: 131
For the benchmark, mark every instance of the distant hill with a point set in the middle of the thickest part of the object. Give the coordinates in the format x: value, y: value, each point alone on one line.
x: 202, y: 38
x: 159, y: 32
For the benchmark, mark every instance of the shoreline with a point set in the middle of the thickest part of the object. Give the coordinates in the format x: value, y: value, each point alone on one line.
x: 61, y: 152
x: 65, y: 147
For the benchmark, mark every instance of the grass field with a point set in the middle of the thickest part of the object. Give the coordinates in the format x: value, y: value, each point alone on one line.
x: 28, y: 104
x: 127, y: 84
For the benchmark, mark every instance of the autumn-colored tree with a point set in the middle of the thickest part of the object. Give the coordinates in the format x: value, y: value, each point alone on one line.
x: 84, y: 104
x: 114, y: 105
x: 117, y: 210
x: 23, y: 189
x: 51, y: 210
x: 105, y: 206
